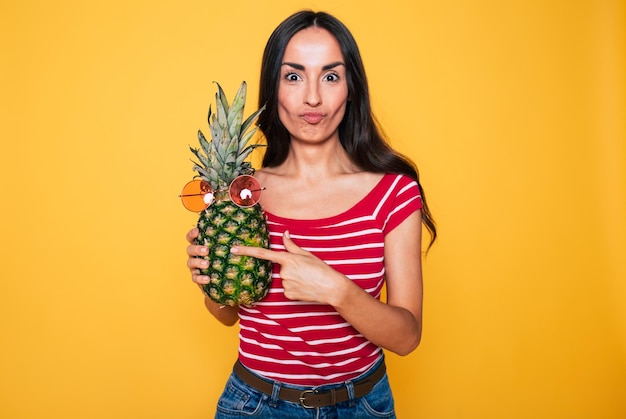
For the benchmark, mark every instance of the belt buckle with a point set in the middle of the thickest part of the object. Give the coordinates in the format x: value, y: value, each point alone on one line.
x: 302, y: 398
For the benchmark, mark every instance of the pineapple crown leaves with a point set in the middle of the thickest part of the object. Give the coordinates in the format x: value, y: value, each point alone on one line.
x: 222, y: 159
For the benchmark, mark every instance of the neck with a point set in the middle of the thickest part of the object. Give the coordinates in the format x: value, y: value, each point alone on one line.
x: 317, y: 161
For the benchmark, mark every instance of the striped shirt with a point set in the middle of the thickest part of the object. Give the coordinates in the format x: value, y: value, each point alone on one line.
x: 310, y: 344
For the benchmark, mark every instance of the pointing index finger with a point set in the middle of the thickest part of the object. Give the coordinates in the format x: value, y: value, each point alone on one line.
x: 259, y: 253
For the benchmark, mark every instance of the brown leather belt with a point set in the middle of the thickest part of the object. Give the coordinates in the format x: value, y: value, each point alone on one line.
x: 311, y: 398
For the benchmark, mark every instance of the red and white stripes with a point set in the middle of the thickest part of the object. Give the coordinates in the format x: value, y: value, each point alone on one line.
x: 310, y: 344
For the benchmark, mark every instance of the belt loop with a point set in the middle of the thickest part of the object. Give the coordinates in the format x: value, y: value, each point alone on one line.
x: 350, y: 387
x: 275, y: 394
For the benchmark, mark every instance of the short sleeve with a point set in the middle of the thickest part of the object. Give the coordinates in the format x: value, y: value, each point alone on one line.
x: 406, y: 199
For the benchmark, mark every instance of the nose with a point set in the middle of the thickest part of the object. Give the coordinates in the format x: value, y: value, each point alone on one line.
x: 313, y: 97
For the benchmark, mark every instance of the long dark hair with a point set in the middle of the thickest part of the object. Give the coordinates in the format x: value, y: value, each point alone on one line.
x: 359, y: 131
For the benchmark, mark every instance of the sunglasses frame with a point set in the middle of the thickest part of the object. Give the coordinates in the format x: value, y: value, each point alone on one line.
x: 244, y: 191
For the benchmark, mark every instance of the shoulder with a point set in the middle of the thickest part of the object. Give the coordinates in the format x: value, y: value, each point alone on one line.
x: 400, y: 183
x: 261, y: 174
x: 401, y: 178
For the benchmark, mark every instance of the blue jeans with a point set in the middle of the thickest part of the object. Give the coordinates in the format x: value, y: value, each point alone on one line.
x: 242, y: 401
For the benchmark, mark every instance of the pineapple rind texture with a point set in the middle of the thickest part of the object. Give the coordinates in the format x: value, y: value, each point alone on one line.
x: 235, y: 279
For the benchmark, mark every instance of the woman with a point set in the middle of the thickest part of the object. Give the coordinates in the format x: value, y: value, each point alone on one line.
x: 345, y: 213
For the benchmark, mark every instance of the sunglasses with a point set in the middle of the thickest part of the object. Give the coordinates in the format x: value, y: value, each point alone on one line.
x: 244, y: 191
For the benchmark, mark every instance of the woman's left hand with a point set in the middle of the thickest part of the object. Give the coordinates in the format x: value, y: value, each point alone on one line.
x: 305, y: 277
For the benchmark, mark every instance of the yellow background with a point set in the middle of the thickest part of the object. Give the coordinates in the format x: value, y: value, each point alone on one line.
x: 514, y: 112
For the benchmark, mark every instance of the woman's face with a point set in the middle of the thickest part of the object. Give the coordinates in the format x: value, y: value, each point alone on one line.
x: 313, y: 90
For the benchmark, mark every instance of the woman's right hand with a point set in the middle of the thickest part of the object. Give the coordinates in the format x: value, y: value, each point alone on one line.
x: 225, y: 314
x: 195, y: 263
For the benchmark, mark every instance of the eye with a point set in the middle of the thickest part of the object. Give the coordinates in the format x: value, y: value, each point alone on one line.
x: 331, y: 77
x: 292, y: 77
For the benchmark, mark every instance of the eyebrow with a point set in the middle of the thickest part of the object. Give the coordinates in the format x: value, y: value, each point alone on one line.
x: 324, y: 68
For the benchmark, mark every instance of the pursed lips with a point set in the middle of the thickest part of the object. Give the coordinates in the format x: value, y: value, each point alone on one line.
x: 312, y: 117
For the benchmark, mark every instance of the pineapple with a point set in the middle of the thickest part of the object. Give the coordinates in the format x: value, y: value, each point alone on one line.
x: 235, y: 279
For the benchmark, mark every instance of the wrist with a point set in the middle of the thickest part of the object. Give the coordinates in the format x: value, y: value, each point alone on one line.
x: 343, y: 292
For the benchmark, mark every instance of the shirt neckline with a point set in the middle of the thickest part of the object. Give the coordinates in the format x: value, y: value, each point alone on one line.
x: 338, y: 217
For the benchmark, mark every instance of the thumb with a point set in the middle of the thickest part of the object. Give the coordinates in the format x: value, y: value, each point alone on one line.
x: 290, y: 246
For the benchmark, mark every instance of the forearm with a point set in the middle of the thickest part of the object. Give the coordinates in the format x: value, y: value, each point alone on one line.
x: 225, y: 314
x: 394, y: 328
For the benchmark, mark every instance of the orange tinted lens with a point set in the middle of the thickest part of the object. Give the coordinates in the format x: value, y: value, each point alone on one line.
x: 245, y: 191
x: 193, y: 196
